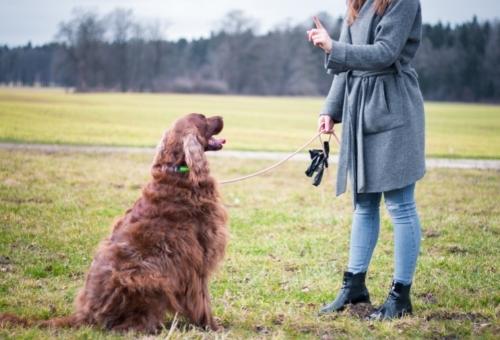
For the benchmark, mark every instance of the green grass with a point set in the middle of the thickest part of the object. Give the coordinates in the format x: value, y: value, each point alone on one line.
x: 287, y: 251
x: 252, y: 123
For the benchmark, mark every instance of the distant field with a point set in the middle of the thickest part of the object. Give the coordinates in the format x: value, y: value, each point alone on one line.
x: 252, y: 123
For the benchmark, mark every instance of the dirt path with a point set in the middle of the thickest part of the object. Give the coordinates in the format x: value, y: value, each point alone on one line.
x: 256, y: 155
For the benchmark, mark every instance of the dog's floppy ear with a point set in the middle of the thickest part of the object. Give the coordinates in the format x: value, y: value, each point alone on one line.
x: 156, y: 167
x: 194, y: 154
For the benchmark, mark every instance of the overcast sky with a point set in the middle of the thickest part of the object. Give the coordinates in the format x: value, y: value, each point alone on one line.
x: 37, y: 20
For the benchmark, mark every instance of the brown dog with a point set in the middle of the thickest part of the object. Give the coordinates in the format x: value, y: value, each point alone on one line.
x: 160, y: 255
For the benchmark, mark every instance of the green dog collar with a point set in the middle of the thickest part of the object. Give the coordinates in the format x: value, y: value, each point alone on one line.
x: 183, y: 169
x: 179, y: 169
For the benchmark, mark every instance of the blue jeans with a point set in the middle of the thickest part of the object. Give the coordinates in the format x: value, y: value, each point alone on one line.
x: 366, y: 225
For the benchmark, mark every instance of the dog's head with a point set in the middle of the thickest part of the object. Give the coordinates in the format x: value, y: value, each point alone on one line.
x: 185, y: 145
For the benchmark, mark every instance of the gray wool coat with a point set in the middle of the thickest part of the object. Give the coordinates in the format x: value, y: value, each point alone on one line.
x: 376, y: 96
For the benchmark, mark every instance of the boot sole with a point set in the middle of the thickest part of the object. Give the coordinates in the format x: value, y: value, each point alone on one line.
x: 350, y: 302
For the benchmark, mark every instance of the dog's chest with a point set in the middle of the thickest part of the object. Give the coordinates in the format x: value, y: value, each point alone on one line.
x: 210, y: 228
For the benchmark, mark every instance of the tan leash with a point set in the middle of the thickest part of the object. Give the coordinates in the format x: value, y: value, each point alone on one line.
x: 274, y: 166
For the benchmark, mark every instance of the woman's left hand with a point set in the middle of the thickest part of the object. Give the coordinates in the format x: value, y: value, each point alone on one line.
x: 320, y: 37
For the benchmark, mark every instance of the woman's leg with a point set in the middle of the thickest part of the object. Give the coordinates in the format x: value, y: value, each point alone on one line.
x: 364, y: 235
x: 365, y: 231
x: 401, y: 206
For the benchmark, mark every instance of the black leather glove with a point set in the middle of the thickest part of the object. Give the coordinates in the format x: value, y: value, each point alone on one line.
x: 319, y: 161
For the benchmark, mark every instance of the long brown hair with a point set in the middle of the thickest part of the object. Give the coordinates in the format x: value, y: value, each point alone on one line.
x: 355, y: 5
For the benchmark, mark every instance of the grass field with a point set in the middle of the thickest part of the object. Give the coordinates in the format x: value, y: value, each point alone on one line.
x: 289, y: 240
x: 252, y: 123
x: 286, y: 255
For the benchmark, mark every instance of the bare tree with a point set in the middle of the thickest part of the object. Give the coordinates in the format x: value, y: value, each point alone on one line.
x: 237, y: 22
x: 120, y: 24
x: 83, y: 35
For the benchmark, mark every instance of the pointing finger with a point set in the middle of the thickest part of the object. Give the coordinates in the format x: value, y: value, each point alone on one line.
x: 317, y: 22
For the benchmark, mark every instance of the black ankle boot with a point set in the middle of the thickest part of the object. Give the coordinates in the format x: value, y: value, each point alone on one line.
x: 397, y: 304
x: 353, y: 291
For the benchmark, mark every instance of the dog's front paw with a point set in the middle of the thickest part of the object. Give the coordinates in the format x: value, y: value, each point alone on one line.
x: 216, y: 325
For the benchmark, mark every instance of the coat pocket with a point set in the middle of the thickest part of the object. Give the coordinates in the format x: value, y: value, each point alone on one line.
x: 384, y: 108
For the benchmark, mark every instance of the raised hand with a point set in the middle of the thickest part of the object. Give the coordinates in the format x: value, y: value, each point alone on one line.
x: 319, y: 36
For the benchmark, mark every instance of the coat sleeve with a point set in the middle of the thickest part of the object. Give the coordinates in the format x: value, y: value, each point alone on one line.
x: 334, y: 102
x: 391, y: 35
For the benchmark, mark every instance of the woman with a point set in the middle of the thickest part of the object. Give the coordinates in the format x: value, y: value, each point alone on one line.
x: 375, y: 94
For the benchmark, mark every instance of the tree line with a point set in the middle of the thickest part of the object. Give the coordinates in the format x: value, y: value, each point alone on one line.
x: 116, y: 52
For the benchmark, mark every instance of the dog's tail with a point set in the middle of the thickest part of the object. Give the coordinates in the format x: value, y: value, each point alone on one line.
x: 61, y: 322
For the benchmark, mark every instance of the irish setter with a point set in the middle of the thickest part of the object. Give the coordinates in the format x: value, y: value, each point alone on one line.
x: 161, y: 253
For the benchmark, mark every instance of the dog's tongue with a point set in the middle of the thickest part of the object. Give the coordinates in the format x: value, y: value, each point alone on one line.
x: 216, y: 143
x: 220, y: 141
